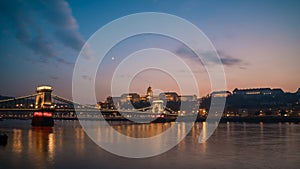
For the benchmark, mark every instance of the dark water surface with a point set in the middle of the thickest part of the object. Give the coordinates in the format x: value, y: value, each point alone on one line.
x: 233, y: 145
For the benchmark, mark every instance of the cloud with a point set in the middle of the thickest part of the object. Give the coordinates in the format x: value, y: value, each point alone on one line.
x: 61, y: 60
x: 41, y: 26
x: 229, y: 60
x: 54, y: 77
x: 59, y: 13
x: 86, y: 77
x: 40, y: 45
x: 70, y: 39
x: 209, y: 56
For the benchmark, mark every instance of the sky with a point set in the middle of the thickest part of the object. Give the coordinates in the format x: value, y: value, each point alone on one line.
x: 258, y: 42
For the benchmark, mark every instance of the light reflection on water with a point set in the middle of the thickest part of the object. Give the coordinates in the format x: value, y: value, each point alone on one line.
x: 233, y: 145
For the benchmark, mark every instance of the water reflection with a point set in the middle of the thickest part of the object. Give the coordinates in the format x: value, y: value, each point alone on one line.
x: 17, y: 146
x: 80, y: 138
x: 140, y: 130
x: 261, y: 127
x: 51, y: 146
x: 204, y: 134
x: 43, y: 145
x: 233, y: 145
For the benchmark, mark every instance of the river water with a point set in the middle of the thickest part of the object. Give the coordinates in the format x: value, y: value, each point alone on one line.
x: 233, y: 145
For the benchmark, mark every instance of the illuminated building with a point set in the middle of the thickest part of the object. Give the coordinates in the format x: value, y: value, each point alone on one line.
x: 220, y: 94
x: 149, y: 95
x: 133, y: 97
x: 188, y: 98
x: 257, y: 91
x: 149, y: 91
x: 169, y: 96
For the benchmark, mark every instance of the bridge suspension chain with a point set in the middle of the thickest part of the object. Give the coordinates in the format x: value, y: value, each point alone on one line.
x: 70, y: 101
x: 18, y: 98
x: 144, y: 108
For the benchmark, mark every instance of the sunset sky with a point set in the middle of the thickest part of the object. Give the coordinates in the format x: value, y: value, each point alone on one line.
x: 258, y: 42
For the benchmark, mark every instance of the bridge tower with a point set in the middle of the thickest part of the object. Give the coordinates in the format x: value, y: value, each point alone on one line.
x: 43, y: 98
x: 43, y: 103
x: 157, y: 106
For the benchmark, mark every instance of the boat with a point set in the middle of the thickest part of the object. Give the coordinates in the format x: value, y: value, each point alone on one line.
x: 3, y: 139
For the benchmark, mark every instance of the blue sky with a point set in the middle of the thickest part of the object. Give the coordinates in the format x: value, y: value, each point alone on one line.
x: 258, y: 41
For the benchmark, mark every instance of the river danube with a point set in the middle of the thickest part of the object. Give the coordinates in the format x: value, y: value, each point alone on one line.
x: 233, y: 145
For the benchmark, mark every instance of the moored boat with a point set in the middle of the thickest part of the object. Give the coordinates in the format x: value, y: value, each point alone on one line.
x: 3, y: 139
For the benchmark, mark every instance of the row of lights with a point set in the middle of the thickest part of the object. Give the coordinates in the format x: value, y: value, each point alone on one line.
x: 53, y: 106
x: 21, y: 105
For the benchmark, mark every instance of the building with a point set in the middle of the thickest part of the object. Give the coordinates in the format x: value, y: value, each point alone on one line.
x: 258, y: 91
x: 220, y: 94
x: 188, y: 98
x: 169, y: 96
x: 277, y: 91
x: 133, y: 97
x: 149, y: 91
x: 149, y: 95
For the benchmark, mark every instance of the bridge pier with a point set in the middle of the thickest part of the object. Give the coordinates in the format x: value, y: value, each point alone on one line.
x: 43, y: 103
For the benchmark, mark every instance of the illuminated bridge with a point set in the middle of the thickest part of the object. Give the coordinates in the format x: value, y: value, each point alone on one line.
x: 46, y: 104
